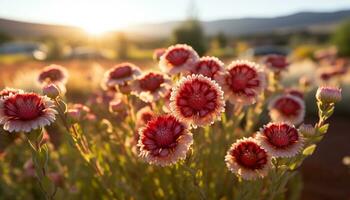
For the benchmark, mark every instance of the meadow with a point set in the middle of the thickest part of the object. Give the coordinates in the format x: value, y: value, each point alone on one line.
x: 175, y: 126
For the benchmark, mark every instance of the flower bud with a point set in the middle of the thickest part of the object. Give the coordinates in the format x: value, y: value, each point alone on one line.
x: 328, y: 94
x: 51, y: 90
x: 74, y: 114
x: 307, y: 129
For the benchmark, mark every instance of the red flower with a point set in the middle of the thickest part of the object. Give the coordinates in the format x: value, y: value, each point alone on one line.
x: 26, y: 111
x: 197, y: 100
x: 208, y: 66
x: 120, y: 74
x: 276, y: 62
x: 248, y: 159
x: 243, y: 82
x: 53, y: 74
x: 280, y: 139
x: 178, y: 58
x: 287, y: 108
x: 151, y: 86
x: 164, y: 141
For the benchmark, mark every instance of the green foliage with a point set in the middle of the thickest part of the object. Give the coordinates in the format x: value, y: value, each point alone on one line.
x: 191, y: 33
x: 221, y: 39
x: 341, y: 39
x: 4, y: 38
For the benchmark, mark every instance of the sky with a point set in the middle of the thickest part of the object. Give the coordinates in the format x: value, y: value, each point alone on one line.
x: 114, y: 14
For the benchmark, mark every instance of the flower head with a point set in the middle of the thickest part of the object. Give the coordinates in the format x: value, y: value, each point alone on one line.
x: 178, y: 58
x: 53, y: 74
x: 243, y: 82
x: 247, y: 159
x: 328, y: 94
x: 120, y: 74
x: 151, y: 86
x: 287, y: 108
x: 280, y: 139
x: 197, y: 100
x: 51, y: 90
x: 276, y: 62
x: 9, y: 91
x: 208, y: 66
x: 164, y: 141
x: 79, y: 111
x: 26, y: 111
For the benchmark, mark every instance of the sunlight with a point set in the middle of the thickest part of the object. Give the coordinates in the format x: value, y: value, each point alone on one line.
x: 97, y: 19
x: 97, y: 29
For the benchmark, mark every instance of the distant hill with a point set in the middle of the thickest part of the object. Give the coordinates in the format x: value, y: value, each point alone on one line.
x: 313, y: 21
x: 26, y: 29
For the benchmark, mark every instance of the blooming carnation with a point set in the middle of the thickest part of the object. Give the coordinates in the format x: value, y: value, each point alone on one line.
x: 53, y: 74
x: 197, y: 100
x: 287, y: 108
x: 26, y: 111
x: 120, y: 74
x: 247, y: 159
x: 280, y: 139
x: 151, y: 86
x: 178, y: 58
x: 164, y: 141
x: 276, y: 62
x: 242, y: 82
x: 208, y: 66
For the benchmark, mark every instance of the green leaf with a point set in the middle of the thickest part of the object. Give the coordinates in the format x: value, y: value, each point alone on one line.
x: 309, y: 150
x: 323, y: 129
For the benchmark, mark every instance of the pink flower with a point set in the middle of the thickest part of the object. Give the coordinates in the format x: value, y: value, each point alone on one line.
x: 164, y: 141
x: 197, y: 100
x: 208, y: 66
x: 280, y: 139
x: 9, y: 91
x: 243, y: 82
x: 79, y: 112
x: 247, y: 159
x: 26, y: 111
x: 151, y: 86
x: 328, y: 94
x: 178, y: 58
x: 51, y: 90
x: 276, y: 62
x: 120, y: 74
x: 53, y: 74
x: 287, y: 108
x: 158, y: 53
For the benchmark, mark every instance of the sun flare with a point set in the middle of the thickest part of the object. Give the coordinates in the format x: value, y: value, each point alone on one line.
x: 97, y: 29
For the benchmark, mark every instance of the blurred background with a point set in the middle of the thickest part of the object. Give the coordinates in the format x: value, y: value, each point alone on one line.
x: 88, y: 37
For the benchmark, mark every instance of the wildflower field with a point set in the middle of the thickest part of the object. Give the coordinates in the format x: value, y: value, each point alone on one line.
x: 178, y: 126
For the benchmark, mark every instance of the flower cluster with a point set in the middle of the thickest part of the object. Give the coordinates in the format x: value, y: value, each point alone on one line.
x: 182, y: 116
